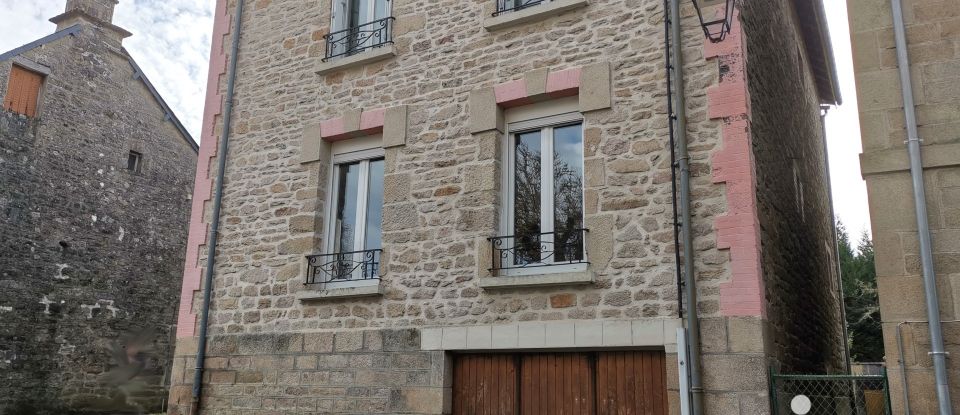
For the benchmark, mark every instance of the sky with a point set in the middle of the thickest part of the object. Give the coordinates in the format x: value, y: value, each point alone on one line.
x: 171, y: 43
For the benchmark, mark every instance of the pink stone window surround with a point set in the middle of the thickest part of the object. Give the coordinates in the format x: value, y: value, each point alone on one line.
x: 336, y: 129
x: 565, y: 83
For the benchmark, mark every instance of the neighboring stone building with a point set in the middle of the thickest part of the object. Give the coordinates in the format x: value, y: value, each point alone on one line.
x: 95, y: 175
x: 933, y: 39
x: 421, y: 134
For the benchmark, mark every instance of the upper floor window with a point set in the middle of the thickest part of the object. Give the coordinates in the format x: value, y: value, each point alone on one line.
x: 358, y: 25
x: 543, y: 215
x: 505, y: 6
x: 23, y: 91
x: 353, y: 242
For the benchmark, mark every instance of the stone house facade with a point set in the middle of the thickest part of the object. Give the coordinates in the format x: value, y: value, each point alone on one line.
x: 933, y: 44
x: 95, y: 175
x: 414, y: 131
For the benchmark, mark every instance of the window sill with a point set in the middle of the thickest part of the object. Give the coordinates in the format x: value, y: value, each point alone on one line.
x: 311, y: 294
x: 539, y: 12
x: 543, y: 279
x: 360, y: 59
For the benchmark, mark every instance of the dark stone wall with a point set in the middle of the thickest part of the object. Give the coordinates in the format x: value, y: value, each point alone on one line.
x: 798, y: 252
x: 91, y: 254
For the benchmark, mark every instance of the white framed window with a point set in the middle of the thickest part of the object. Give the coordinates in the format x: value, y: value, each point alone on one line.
x: 506, y: 6
x: 357, y: 18
x: 353, y: 233
x: 542, y: 220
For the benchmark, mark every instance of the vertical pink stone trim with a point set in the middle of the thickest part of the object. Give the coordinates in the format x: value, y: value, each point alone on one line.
x: 564, y: 83
x: 739, y: 229
x: 213, y: 107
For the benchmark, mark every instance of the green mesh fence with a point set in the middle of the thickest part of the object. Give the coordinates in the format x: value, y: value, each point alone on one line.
x: 829, y: 394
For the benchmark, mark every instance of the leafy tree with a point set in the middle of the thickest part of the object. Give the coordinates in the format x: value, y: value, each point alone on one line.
x: 864, y: 333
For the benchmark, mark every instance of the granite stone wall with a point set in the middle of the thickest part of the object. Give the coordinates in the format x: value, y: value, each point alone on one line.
x: 798, y: 253
x: 933, y: 39
x: 90, y: 253
x: 442, y: 192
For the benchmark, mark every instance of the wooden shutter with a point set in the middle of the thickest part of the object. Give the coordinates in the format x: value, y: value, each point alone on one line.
x: 485, y: 384
x: 631, y: 383
x: 557, y: 384
x: 23, y: 91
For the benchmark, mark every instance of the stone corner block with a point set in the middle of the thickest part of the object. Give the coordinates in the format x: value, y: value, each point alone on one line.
x: 479, y: 337
x: 395, y: 126
x: 311, y: 144
x: 536, y: 82
x: 595, y: 87
x: 454, y: 338
x: 600, y: 243
x: 363, y: 58
x: 485, y: 115
x: 431, y: 338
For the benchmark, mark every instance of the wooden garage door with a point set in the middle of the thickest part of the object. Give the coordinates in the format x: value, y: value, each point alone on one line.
x: 596, y: 383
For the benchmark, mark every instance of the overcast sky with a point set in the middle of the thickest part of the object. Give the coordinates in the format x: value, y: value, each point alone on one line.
x: 171, y: 42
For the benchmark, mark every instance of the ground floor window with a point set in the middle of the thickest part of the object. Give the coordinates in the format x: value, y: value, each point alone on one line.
x: 588, y: 383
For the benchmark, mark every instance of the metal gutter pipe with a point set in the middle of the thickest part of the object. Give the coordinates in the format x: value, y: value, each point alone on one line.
x: 836, y: 242
x: 673, y: 162
x: 683, y: 160
x: 937, y: 353
x: 215, y: 220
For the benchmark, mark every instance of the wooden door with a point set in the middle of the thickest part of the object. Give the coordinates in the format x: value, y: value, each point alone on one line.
x: 485, y: 384
x: 23, y: 91
x: 593, y: 383
x: 631, y: 383
x: 557, y: 384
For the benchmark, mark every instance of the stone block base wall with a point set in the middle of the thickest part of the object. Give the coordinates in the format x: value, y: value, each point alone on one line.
x: 933, y: 42
x: 350, y: 372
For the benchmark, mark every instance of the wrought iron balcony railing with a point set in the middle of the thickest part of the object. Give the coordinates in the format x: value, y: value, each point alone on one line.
x: 359, y: 38
x: 343, y: 266
x: 506, y: 6
x: 539, y: 249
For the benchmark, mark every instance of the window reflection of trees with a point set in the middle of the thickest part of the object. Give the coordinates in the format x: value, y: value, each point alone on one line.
x: 567, y: 242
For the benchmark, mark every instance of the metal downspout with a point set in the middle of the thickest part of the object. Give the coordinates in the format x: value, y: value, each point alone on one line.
x: 215, y: 220
x: 836, y: 242
x: 683, y: 160
x: 937, y: 352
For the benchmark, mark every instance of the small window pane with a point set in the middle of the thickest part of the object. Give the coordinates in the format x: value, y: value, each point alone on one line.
x: 374, y: 206
x: 568, y: 193
x: 133, y: 161
x: 348, y: 182
x: 527, y: 188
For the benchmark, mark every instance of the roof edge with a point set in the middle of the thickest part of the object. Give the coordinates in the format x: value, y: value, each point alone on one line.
x: 168, y: 112
x: 70, y: 31
x: 77, y: 12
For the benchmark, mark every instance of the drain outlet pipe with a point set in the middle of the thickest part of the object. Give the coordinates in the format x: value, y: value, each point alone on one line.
x: 686, y: 231
x: 215, y: 220
x: 937, y: 353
